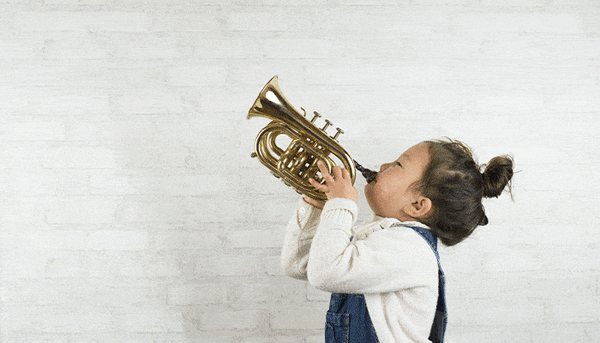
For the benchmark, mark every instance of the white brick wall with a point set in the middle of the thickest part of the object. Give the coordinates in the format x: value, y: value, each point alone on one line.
x: 130, y: 210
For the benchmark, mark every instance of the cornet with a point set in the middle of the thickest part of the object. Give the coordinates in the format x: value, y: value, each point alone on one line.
x: 309, y: 144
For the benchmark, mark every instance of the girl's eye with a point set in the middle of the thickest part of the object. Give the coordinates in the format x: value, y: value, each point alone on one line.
x: 399, y: 165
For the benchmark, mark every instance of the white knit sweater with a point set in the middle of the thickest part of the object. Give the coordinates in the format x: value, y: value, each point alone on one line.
x: 393, y: 267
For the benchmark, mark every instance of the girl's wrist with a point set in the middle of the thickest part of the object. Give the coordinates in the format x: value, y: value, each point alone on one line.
x: 340, y: 210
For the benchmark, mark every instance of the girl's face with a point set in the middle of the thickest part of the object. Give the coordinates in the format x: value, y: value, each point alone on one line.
x: 393, y: 191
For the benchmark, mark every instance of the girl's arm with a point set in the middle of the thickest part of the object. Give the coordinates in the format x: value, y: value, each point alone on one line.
x: 298, y: 238
x: 386, y: 261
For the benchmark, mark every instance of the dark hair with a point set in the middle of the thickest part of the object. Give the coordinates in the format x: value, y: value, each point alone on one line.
x: 453, y: 182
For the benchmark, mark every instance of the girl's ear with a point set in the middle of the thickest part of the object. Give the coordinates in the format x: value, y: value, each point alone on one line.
x: 419, y: 207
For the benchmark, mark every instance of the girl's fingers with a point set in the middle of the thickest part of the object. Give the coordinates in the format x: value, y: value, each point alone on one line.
x: 337, y: 172
x: 345, y: 173
x: 318, y: 186
x: 324, y: 172
x: 323, y: 168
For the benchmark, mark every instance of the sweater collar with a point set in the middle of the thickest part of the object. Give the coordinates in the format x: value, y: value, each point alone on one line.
x: 376, y: 223
x: 386, y: 223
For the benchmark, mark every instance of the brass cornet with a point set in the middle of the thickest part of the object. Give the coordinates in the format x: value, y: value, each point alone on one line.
x: 309, y: 144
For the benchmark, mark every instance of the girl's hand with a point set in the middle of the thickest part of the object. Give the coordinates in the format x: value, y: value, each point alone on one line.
x: 338, y: 185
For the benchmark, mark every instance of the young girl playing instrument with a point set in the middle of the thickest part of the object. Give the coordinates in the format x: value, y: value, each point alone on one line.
x: 384, y: 275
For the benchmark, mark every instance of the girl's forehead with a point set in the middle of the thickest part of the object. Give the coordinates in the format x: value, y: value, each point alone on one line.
x: 417, y: 154
x: 416, y: 150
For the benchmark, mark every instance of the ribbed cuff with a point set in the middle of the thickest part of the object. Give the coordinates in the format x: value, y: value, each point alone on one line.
x: 340, y: 213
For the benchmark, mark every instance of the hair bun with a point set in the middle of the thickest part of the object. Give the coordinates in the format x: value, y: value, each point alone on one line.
x: 497, y: 175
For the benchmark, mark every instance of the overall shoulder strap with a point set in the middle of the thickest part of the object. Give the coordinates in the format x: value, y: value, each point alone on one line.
x: 427, y: 235
x: 440, y: 320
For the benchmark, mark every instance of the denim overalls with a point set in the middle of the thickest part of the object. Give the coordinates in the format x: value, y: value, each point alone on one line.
x: 348, y: 319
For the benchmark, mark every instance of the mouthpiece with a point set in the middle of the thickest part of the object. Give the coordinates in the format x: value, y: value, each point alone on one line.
x: 368, y: 174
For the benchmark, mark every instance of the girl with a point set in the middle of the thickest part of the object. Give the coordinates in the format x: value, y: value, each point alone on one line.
x: 385, y: 276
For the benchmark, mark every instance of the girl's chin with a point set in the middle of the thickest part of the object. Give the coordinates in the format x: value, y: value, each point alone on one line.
x: 370, y: 185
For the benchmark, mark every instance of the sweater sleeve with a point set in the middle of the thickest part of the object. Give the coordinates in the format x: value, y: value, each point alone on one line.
x: 298, y: 238
x: 385, y: 261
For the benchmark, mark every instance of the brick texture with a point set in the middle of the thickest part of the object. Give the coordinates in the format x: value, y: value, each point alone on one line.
x: 131, y: 211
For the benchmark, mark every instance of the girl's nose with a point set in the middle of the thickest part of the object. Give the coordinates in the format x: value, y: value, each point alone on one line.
x: 384, y: 167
